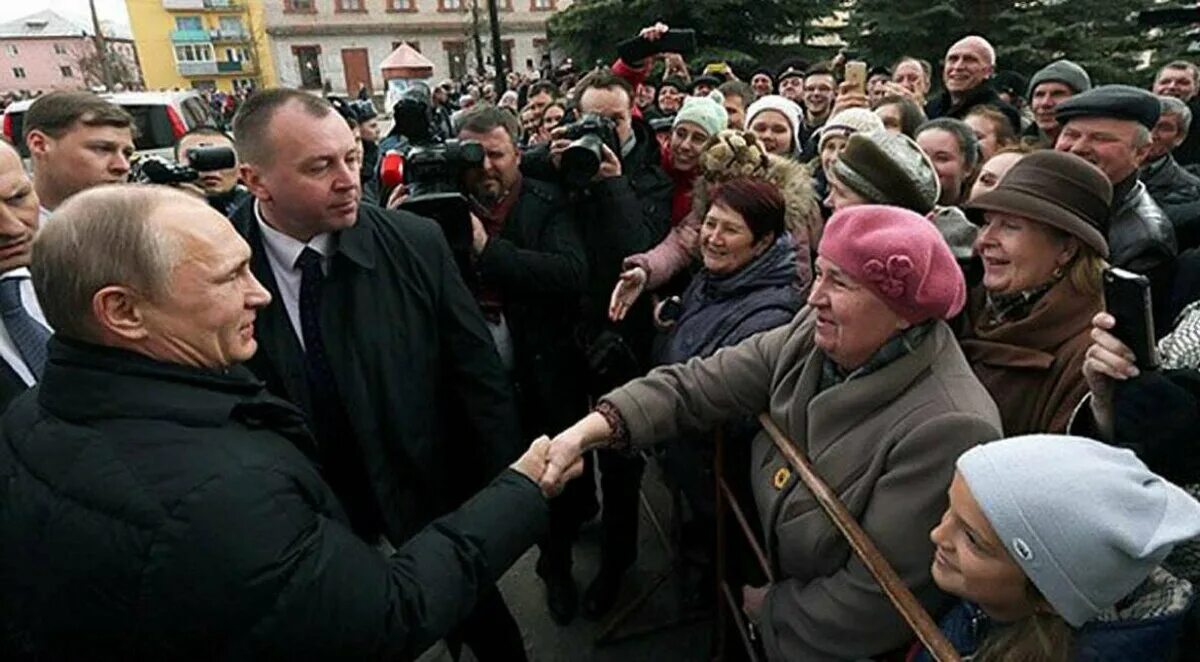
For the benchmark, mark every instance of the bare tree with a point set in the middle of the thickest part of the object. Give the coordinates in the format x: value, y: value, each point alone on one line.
x: 91, y: 66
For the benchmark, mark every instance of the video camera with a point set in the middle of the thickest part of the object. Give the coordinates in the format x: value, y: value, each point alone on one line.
x: 432, y: 167
x: 581, y: 160
x: 157, y: 170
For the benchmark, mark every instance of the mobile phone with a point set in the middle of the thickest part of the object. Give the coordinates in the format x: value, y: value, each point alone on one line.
x: 856, y: 75
x: 1127, y: 299
x: 673, y: 41
x: 716, y: 69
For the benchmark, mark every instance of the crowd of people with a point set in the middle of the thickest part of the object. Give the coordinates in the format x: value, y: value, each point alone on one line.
x: 278, y: 413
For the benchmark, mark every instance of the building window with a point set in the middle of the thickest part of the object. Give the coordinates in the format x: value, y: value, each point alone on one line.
x: 349, y: 5
x: 18, y: 72
x: 59, y: 49
x: 66, y: 72
x: 402, y: 5
x: 308, y: 62
x: 456, y: 55
x: 12, y: 50
x: 451, y: 5
x: 194, y: 53
x: 188, y: 23
x: 306, y: 6
x: 542, y: 5
x: 231, y: 25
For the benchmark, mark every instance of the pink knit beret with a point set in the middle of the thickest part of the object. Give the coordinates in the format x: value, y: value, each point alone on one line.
x: 900, y: 256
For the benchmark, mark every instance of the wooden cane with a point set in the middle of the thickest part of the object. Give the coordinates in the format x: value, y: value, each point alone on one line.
x: 912, y: 611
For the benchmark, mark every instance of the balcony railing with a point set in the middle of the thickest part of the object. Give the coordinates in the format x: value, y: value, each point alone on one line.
x: 190, y: 36
x: 202, y: 5
x: 232, y: 67
x: 197, y: 68
x: 229, y: 35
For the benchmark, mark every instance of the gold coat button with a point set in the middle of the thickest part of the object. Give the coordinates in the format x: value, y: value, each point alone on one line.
x: 781, y: 477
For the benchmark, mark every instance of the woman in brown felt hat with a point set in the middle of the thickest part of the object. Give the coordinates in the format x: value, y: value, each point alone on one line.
x: 1025, y: 330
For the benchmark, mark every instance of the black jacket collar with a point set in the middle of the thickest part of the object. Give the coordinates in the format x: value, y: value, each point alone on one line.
x: 356, y: 242
x: 83, y: 381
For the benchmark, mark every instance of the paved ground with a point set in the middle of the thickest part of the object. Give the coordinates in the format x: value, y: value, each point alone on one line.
x: 547, y: 642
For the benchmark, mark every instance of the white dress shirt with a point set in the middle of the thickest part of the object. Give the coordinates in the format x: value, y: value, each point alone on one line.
x: 282, y: 253
x: 8, y: 349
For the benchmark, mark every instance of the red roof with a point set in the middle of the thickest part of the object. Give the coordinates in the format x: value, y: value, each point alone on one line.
x: 406, y: 62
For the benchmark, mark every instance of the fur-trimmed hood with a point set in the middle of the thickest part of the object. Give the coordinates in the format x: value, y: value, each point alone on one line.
x: 733, y: 154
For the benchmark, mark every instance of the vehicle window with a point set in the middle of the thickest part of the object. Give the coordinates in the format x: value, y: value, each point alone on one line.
x: 18, y: 126
x: 153, y: 127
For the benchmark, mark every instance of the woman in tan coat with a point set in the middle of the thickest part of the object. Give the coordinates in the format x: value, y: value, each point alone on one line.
x: 869, y: 382
x: 1027, y: 324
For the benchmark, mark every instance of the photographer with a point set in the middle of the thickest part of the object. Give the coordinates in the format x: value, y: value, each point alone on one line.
x: 624, y: 206
x: 531, y: 268
x: 221, y: 188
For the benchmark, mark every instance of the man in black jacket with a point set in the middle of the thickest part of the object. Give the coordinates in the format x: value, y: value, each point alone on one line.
x: 968, y: 66
x: 1176, y: 190
x: 157, y: 503
x: 23, y: 345
x: 373, y: 335
x: 624, y: 209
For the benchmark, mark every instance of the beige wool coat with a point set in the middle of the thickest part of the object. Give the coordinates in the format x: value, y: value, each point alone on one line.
x: 885, y: 442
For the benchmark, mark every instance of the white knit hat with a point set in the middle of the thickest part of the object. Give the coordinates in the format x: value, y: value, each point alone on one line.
x: 784, y: 106
x: 707, y: 112
x: 849, y: 121
x: 1087, y: 522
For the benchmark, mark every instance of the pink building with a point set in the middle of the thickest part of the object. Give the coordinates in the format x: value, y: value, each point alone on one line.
x: 45, y: 51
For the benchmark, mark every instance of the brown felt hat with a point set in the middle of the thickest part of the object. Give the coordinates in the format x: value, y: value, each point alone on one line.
x: 1055, y: 188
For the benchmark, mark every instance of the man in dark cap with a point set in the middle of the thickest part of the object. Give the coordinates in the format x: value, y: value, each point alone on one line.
x: 702, y: 85
x: 1110, y: 126
x: 791, y: 80
x: 1050, y: 86
x: 877, y: 79
x: 763, y: 81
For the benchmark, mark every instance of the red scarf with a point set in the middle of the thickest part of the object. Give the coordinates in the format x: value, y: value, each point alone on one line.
x: 491, y: 300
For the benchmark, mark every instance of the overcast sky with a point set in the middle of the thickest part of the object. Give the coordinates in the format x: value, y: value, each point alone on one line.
x: 109, y: 10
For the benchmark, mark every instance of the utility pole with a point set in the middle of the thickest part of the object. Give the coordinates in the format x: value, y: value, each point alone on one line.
x: 101, y: 49
x: 500, y: 85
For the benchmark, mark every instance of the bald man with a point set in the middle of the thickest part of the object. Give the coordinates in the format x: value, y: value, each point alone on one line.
x: 158, y: 503
x: 966, y: 73
x: 23, y: 328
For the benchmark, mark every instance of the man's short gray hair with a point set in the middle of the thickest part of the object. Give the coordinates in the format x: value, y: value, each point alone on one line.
x: 1173, y: 106
x: 1141, y: 136
x: 102, y: 236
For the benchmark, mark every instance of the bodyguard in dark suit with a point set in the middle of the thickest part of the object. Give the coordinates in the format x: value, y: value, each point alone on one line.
x: 23, y: 328
x: 373, y: 334
x: 156, y: 503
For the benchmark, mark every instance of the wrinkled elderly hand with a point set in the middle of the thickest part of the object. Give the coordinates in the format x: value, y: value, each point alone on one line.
x: 654, y: 32
x: 534, y: 462
x: 564, y: 460
x: 1107, y: 361
x: 626, y: 293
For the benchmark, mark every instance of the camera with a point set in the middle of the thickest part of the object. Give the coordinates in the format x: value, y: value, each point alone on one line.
x: 157, y: 170
x: 589, y: 135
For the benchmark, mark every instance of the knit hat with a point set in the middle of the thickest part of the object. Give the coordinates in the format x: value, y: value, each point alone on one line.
x: 1122, y: 102
x: 1087, y: 522
x: 849, y: 122
x: 1056, y: 188
x: 707, y: 112
x: 782, y: 105
x: 900, y: 257
x: 889, y: 169
x: 1010, y: 82
x: 732, y: 154
x: 1062, y: 71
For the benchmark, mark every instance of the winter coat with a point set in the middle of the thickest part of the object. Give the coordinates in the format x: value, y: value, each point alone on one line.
x: 885, y: 442
x: 681, y: 246
x: 1177, y: 191
x: 416, y: 369
x: 152, y: 511
x: 1142, y: 239
x: 1145, y: 626
x: 1033, y: 366
x: 723, y: 310
x: 983, y: 95
x: 1188, y: 153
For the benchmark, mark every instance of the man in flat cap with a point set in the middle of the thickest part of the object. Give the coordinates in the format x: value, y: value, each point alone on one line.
x: 1110, y: 127
x: 1051, y: 85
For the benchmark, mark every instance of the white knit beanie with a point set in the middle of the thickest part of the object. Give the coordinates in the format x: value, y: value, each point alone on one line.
x: 707, y: 112
x: 1087, y: 522
x: 784, y: 106
x: 850, y: 121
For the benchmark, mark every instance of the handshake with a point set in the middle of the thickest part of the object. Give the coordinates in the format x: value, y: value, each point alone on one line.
x: 551, y: 463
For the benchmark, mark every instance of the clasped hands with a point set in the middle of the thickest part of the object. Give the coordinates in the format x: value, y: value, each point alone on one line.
x: 552, y: 463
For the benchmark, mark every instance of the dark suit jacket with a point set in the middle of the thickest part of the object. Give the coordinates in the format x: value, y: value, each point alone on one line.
x: 428, y: 399
x: 11, y: 385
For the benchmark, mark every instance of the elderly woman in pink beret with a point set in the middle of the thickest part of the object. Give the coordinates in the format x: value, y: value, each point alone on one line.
x: 869, y: 382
